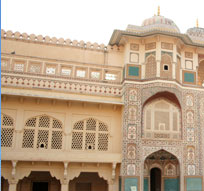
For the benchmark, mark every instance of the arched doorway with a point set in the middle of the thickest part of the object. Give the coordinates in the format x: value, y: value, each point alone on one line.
x: 161, y: 172
x: 155, y: 179
x: 88, y: 181
x: 39, y: 181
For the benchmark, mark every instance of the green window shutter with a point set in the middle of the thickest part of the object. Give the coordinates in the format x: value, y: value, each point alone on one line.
x: 189, y: 77
x: 133, y: 71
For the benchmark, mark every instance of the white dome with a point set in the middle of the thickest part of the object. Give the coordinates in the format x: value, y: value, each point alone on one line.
x: 158, y: 22
x: 196, y: 34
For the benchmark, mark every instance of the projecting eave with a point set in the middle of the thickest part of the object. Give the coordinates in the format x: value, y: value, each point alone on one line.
x: 118, y: 34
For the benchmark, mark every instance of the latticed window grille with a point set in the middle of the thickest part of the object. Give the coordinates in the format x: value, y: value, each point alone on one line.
x: 90, y: 134
x: 7, y: 131
x: 42, y: 132
x: 35, y: 68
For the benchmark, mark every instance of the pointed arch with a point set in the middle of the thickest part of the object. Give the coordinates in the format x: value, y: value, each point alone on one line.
x: 162, y: 117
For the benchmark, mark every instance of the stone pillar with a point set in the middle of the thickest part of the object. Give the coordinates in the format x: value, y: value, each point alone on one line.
x: 158, y: 69
x: 158, y: 56
x: 65, y: 181
x: 65, y: 186
x: 181, y: 176
x: 142, y: 175
x: 13, y: 185
x: 173, y: 70
x: 143, y: 68
x: 111, y: 186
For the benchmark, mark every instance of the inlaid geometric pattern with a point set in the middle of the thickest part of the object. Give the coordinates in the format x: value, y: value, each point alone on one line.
x: 151, y: 67
x: 90, y: 134
x: 42, y: 132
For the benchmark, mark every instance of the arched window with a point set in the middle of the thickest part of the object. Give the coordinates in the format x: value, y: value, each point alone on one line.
x: 7, y: 131
x: 90, y: 134
x: 166, y: 67
x: 162, y: 120
x: 170, y: 170
x: 150, y: 67
x: 42, y: 132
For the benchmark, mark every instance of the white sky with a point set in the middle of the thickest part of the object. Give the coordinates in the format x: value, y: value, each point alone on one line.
x: 93, y: 20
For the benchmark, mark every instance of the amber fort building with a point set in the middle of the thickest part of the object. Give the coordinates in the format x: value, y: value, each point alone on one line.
x: 127, y: 116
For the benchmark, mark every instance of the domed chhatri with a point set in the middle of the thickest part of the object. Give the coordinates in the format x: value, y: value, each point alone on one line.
x: 158, y: 22
x: 196, y: 34
x: 155, y: 23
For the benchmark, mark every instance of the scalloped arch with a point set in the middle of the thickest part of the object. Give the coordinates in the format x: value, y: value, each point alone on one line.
x: 36, y: 116
x: 85, y: 119
x: 76, y: 173
x: 172, y: 150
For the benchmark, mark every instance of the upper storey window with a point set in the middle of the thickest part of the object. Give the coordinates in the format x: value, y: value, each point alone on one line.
x: 19, y: 67
x: 7, y: 131
x: 161, y: 120
x: 5, y: 65
x: 50, y: 70
x: 166, y: 67
x: 95, y: 75
x: 109, y: 76
x: 90, y: 134
x: 42, y: 132
x: 35, y: 68
x: 81, y: 73
x: 66, y: 71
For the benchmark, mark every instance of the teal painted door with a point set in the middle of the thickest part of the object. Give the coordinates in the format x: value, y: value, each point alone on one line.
x: 171, y: 184
x: 146, y: 184
x: 194, y: 184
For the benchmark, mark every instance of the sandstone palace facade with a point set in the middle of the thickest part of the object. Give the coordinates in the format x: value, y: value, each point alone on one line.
x: 128, y: 116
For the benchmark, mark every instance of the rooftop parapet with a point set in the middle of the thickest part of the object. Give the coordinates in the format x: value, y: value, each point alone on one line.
x: 55, y: 41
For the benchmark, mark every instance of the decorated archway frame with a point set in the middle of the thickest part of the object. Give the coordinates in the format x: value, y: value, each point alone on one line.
x: 176, y: 151
x: 149, y: 92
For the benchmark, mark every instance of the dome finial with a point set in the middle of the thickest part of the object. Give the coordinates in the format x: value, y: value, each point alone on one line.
x: 197, y: 24
x: 158, y: 13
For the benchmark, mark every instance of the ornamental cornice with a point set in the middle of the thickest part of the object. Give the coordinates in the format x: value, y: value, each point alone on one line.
x: 118, y: 34
x: 62, y: 85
